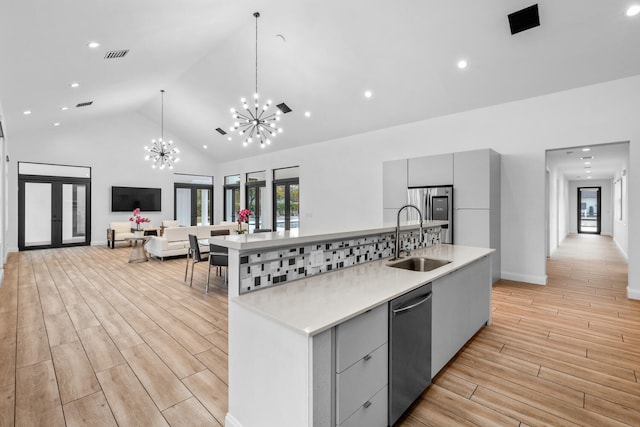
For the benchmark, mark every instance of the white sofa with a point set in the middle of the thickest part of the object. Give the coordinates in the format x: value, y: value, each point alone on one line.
x: 175, y: 240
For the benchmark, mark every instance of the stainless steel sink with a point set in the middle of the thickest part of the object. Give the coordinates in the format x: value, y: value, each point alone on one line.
x: 420, y: 264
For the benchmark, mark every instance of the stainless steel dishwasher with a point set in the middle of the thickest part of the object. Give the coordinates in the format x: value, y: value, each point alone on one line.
x: 409, y: 349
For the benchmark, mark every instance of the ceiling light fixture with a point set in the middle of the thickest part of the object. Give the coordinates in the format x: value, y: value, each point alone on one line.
x: 462, y: 64
x: 161, y: 153
x: 56, y: 124
x: 307, y: 113
x: 368, y: 94
x: 27, y: 112
x: 74, y: 84
x: 586, y: 149
x: 64, y: 108
x: 633, y: 10
x: 93, y: 45
x: 257, y: 123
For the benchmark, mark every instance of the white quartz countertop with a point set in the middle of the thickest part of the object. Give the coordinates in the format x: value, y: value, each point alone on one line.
x: 313, y: 305
x: 253, y: 241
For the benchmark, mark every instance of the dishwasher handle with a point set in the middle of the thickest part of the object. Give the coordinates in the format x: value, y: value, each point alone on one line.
x: 412, y: 306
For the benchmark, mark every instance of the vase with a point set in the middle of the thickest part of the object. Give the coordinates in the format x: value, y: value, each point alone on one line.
x: 138, y: 233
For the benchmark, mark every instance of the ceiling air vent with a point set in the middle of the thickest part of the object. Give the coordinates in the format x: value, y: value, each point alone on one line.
x: 84, y: 104
x: 220, y: 131
x: 524, y: 19
x: 116, y: 54
x: 284, y: 108
x: 1, y: 131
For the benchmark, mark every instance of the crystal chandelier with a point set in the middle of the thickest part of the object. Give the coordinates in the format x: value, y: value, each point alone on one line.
x: 161, y: 152
x: 256, y: 123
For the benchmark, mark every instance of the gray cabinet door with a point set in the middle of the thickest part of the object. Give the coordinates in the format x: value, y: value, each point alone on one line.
x: 479, y: 293
x: 471, y: 179
x: 394, y: 184
x: 473, y: 227
x: 431, y: 170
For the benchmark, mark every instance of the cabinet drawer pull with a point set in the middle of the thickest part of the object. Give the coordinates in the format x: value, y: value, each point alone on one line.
x: 366, y: 404
x: 367, y: 357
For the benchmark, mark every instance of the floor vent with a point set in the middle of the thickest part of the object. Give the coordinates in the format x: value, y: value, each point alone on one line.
x: 220, y: 131
x: 284, y: 108
x: 84, y: 104
x: 524, y: 19
x: 116, y: 54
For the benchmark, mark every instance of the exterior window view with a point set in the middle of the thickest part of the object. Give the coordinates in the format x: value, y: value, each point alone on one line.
x: 319, y: 214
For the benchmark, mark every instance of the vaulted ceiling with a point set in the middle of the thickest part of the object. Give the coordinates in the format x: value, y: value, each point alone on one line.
x: 315, y: 55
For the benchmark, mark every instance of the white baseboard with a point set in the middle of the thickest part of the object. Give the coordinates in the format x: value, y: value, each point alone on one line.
x: 99, y: 243
x: 621, y: 250
x: 536, y: 280
x: 230, y: 421
x: 633, y: 293
x: 10, y: 249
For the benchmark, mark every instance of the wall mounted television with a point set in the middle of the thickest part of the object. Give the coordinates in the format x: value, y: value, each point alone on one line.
x: 126, y: 199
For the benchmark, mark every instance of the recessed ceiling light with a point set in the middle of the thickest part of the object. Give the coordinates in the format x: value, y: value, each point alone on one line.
x: 462, y: 64
x: 587, y: 163
x: 368, y: 94
x: 586, y: 149
x: 204, y: 146
x: 93, y: 45
x: 74, y: 84
x: 587, y: 171
x: 56, y: 124
x: 588, y: 177
x: 229, y: 138
x: 27, y: 112
x: 64, y: 108
x: 633, y: 10
x: 307, y: 113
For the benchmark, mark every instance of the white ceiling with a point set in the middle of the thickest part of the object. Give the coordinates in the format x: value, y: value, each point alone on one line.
x: 607, y: 161
x: 202, y: 53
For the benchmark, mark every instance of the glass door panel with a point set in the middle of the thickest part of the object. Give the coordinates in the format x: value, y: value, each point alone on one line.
x: 256, y: 200
x: 183, y: 206
x: 37, y: 214
x: 286, y: 206
x: 74, y: 213
x: 202, y: 207
x: 589, y: 210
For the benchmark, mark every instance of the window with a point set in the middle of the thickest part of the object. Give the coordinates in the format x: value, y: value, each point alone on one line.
x: 193, y: 201
x: 231, y: 197
x: 256, y: 199
x: 286, y: 199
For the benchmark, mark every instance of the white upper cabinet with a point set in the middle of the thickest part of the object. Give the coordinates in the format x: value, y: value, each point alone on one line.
x: 431, y: 170
x: 394, y: 184
x: 471, y: 179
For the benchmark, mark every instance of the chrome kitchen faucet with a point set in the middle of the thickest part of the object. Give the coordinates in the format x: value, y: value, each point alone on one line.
x: 398, y: 249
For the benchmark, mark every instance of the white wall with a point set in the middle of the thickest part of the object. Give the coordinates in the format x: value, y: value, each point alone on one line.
x: 4, y: 151
x: 341, y: 180
x: 113, y: 148
x: 621, y: 226
x: 606, y: 201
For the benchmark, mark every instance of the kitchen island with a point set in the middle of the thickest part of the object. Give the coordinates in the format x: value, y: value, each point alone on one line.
x: 282, y: 342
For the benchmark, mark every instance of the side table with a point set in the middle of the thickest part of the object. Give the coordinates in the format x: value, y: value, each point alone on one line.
x: 138, y: 254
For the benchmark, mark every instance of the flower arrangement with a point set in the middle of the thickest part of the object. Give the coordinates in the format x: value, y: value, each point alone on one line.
x: 243, y: 216
x: 138, y: 219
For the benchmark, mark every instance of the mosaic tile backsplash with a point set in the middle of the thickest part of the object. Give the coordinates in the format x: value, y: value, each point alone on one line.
x: 260, y: 270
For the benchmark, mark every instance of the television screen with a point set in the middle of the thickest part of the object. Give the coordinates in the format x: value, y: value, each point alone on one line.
x: 126, y: 199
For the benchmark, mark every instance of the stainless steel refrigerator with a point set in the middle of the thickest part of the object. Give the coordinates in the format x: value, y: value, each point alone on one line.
x: 436, y: 204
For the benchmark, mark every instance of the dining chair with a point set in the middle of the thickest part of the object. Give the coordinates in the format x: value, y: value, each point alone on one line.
x: 195, y: 256
x: 218, y: 257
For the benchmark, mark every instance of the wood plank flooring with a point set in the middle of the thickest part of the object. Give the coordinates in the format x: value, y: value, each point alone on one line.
x: 86, y: 338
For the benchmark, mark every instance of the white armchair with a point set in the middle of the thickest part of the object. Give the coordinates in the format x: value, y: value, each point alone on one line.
x: 118, y: 232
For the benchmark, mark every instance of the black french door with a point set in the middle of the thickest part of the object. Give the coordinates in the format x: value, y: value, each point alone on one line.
x: 589, y: 218
x: 53, y: 212
x: 286, y: 204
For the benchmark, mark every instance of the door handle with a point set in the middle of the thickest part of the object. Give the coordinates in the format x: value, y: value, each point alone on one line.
x: 412, y: 306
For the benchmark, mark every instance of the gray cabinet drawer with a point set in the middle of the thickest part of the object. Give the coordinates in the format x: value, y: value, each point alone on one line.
x: 357, y: 384
x: 373, y: 414
x: 359, y: 336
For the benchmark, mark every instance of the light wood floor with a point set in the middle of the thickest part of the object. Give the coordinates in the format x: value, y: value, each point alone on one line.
x: 87, y: 338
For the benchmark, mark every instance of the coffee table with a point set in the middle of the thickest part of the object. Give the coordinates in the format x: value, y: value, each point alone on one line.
x: 138, y: 254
